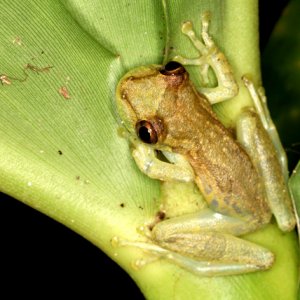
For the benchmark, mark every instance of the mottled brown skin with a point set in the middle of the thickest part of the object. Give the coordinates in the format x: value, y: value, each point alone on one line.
x: 187, y: 125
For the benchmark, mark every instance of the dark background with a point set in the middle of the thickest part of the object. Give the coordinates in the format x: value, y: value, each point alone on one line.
x: 40, y: 257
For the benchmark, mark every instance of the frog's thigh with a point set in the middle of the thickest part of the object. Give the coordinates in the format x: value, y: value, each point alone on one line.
x: 202, y: 221
x: 147, y: 161
x: 257, y: 143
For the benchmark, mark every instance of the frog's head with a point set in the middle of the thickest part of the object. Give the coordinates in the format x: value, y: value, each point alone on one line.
x: 140, y: 93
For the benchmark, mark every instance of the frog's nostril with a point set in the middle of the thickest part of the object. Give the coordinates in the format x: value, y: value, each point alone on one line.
x: 146, y: 132
x: 172, y: 68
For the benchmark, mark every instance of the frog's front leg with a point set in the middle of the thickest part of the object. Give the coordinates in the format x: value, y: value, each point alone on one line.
x: 178, y: 168
x: 210, y: 56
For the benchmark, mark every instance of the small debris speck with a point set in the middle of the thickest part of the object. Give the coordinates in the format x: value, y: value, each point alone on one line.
x: 64, y: 92
x: 122, y: 205
x: 37, y: 69
x: 161, y: 215
x: 4, y: 80
x: 59, y: 152
x: 17, y: 41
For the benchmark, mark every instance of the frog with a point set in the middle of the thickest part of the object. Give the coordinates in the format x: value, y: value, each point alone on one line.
x: 241, y: 173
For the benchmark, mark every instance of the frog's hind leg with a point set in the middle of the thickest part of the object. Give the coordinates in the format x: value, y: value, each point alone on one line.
x: 203, y: 243
x: 206, y: 254
x: 259, y: 146
x: 260, y: 103
x: 218, y: 254
x: 210, y: 56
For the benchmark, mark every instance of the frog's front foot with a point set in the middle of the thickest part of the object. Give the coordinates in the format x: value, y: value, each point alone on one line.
x: 206, y: 48
x: 210, y: 57
x: 176, y: 168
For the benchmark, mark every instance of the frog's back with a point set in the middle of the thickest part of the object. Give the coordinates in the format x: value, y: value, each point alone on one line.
x: 224, y: 172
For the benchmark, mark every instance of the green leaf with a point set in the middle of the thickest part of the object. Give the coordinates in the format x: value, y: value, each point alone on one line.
x: 60, y: 151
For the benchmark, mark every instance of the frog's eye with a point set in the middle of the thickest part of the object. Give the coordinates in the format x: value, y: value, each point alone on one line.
x: 146, y: 132
x: 172, y: 68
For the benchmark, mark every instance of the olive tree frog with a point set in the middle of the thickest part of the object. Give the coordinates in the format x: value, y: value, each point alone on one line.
x: 242, y: 176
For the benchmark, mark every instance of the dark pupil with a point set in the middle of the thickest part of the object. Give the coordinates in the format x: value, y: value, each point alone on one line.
x: 144, y: 134
x: 172, y: 65
x: 172, y: 68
